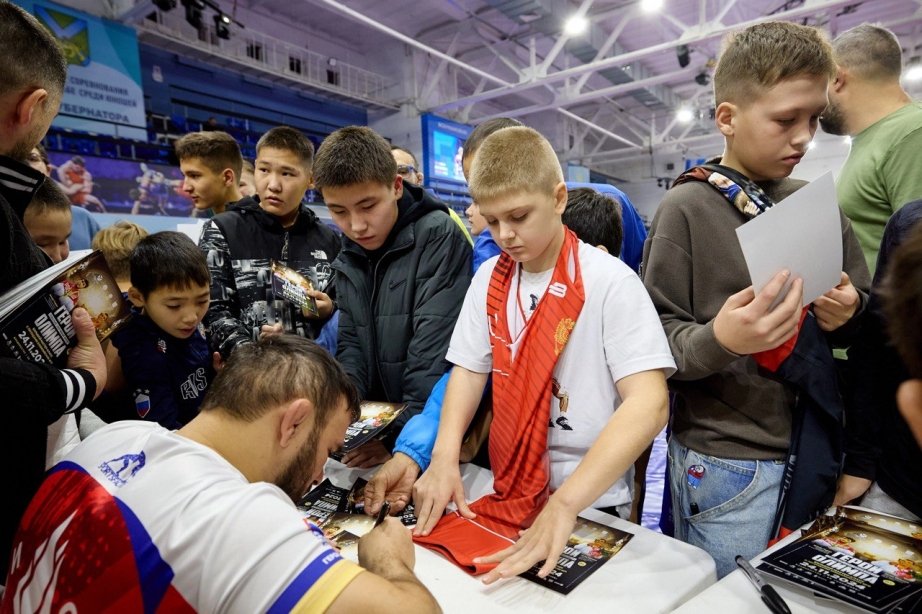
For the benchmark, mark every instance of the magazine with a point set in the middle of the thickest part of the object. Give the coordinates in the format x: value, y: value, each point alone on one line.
x: 291, y: 286
x: 590, y: 545
x: 857, y: 563
x: 373, y: 423
x: 35, y: 322
x: 325, y: 499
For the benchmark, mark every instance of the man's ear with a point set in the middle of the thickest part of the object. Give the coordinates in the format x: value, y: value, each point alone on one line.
x: 842, y: 77
x: 724, y: 116
x: 420, y: 176
x: 136, y: 298
x: 28, y: 105
x: 296, y: 417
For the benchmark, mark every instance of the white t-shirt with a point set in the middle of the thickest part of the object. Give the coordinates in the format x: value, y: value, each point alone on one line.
x: 138, y: 514
x: 617, y: 334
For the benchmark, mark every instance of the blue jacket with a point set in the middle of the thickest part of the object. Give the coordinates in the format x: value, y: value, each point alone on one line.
x: 165, y: 377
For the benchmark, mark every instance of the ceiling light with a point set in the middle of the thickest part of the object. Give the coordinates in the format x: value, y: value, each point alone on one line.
x: 682, y: 55
x: 651, y: 6
x: 684, y: 115
x: 575, y: 25
x: 702, y: 78
x: 222, y: 25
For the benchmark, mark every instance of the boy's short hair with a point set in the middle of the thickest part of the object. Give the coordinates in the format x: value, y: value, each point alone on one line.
x: 901, y: 295
x: 167, y: 259
x: 301, y: 368
x: 354, y: 155
x: 511, y: 160
x: 247, y: 168
x: 289, y: 139
x: 49, y: 197
x: 116, y: 242
x: 217, y: 150
x: 484, y: 130
x: 870, y: 51
x: 763, y: 55
x: 43, y: 154
x: 595, y: 218
x: 33, y: 56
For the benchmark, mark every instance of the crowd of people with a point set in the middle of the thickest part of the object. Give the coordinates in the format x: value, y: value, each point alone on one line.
x: 528, y: 342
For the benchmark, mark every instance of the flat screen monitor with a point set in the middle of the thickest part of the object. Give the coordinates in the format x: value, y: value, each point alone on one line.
x: 443, y: 144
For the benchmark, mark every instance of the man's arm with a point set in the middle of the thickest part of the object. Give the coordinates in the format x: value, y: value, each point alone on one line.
x: 225, y: 330
x: 642, y: 414
x: 387, y: 553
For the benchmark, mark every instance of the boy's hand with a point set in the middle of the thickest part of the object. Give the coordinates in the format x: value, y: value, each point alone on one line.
x: 431, y: 494
x: 324, y: 304
x: 87, y: 354
x: 544, y: 541
x: 837, y: 306
x: 367, y: 455
x: 850, y: 488
x: 387, y: 548
x: 745, y: 325
x: 271, y: 329
x: 393, y: 482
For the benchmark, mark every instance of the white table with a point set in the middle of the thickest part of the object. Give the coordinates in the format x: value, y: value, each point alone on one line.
x: 735, y: 593
x: 652, y: 573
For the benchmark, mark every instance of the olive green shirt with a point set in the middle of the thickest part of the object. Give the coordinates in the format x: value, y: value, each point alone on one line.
x: 883, y: 172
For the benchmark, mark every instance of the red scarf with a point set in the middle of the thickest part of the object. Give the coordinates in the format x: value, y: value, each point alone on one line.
x: 521, y: 409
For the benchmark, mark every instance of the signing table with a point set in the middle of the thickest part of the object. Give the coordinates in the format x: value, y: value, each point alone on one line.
x: 652, y: 573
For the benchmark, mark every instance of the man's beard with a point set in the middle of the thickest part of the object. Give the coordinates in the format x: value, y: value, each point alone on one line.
x: 293, y: 478
x: 21, y: 150
x: 832, y: 121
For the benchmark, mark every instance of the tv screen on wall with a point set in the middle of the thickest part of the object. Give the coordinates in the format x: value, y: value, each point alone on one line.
x: 443, y: 145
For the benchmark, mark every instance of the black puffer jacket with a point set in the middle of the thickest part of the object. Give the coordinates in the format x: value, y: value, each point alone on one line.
x: 239, y: 245
x: 397, y: 314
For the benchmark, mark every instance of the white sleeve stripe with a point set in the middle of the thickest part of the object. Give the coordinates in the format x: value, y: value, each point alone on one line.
x: 75, y: 390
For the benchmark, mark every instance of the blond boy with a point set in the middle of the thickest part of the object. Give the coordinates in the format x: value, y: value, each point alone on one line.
x: 549, y: 312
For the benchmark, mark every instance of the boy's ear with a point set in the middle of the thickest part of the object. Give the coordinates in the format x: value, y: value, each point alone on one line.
x: 28, y: 105
x: 230, y: 178
x: 560, y: 198
x: 723, y: 116
x: 136, y: 298
x: 398, y: 187
x: 296, y: 417
x: 603, y: 248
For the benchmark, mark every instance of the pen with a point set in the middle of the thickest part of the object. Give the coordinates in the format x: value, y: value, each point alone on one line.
x: 383, y: 512
x: 770, y: 596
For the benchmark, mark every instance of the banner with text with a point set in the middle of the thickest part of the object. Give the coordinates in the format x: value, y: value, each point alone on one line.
x: 103, y: 93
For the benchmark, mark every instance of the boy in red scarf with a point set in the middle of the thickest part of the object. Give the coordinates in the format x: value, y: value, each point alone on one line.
x: 549, y: 313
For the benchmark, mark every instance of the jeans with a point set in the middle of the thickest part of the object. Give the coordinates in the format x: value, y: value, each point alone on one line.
x: 723, y: 506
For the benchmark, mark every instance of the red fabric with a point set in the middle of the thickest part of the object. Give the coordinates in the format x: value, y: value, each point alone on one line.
x: 461, y: 541
x: 772, y: 359
x: 521, y: 405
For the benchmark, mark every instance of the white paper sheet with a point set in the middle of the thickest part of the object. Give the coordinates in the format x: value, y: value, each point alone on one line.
x: 803, y: 234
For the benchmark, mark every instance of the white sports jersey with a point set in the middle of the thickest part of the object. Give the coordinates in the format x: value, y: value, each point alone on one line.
x: 617, y: 334
x: 138, y: 518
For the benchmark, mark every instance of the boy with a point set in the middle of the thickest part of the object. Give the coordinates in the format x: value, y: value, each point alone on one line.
x: 401, y: 276
x: 48, y: 220
x: 732, y: 423
x: 159, y: 364
x: 116, y: 242
x: 591, y: 342
x: 241, y: 243
x: 83, y: 226
x: 211, y: 166
x: 595, y: 218
x: 248, y: 179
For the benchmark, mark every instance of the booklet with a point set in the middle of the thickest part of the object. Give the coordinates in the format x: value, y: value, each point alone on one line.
x: 291, y: 286
x: 325, y: 500
x: 590, y: 545
x: 852, y: 561
x: 373, y: 423
x: 35, y: 323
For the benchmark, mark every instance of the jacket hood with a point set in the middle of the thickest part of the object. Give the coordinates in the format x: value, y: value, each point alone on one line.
x: 413, y: 204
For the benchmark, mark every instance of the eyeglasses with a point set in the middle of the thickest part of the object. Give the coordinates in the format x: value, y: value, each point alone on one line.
x: 405, y: 169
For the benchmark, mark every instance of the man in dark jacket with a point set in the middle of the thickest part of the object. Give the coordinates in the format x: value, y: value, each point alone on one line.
x: 400, y: 278
x: 34, y: 396
x: 241, y: 243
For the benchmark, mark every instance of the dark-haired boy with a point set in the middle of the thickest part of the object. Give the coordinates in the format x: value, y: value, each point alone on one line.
x: 401, y: 276
x: 241, y: 243
x: 732, y: 422
x: 211, y: 166
x: 159, y: 363
x: 48, y: 219
x: 595, y: 218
